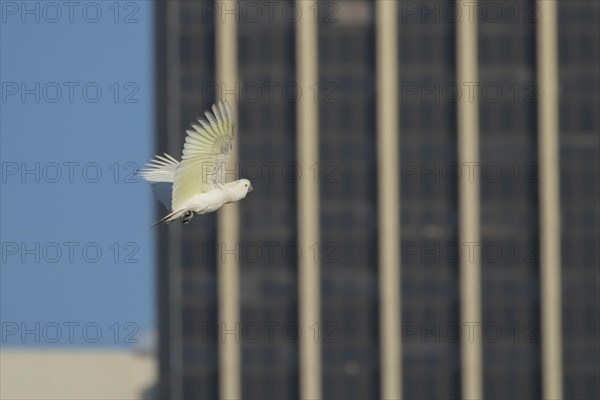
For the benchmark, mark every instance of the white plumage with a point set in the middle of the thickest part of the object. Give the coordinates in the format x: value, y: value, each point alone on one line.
x: 196, y: 185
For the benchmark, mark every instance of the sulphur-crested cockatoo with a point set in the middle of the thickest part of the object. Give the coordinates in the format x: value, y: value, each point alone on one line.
x: 196, y: 185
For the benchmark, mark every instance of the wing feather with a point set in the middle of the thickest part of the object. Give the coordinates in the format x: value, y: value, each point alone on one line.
x: 205, y: 153
x: 217, y: 114
x: 160, y: 169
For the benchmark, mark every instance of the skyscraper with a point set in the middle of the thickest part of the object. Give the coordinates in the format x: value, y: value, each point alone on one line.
x: 579, y: 80
x: 510, y: 330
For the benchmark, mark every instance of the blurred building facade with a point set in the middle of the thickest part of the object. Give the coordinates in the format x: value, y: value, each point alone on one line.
x: 190, y: 334
x: 77, y: 374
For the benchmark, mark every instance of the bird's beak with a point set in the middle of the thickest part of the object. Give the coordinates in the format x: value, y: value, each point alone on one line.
x: 251, y: 189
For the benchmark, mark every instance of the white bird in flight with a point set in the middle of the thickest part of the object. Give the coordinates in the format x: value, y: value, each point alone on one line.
x: 196, y: 185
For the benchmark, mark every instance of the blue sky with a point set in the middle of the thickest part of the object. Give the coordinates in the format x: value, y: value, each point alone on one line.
x: 76, y: 119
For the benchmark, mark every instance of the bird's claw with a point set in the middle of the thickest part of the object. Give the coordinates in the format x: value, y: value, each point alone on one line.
x: 187, y: 217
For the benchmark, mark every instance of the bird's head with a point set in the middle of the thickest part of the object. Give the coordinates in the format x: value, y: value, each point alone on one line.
x: 243, y: 187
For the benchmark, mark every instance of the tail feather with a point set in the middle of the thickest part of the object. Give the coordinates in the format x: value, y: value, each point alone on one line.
x: 167, y: 219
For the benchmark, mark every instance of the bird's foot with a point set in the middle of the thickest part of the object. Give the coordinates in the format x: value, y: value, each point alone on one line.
x: 187, y: 217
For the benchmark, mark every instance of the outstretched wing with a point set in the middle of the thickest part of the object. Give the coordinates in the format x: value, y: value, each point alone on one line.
x: 205, y: 154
